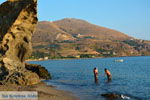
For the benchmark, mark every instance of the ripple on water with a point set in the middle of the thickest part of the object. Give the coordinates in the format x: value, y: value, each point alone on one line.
x: 130, y: 78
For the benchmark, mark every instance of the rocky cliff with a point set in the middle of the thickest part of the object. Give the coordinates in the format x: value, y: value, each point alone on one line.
x: 18, y: 19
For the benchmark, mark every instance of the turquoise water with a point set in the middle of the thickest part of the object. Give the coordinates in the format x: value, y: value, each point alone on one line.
x: 130, y: 78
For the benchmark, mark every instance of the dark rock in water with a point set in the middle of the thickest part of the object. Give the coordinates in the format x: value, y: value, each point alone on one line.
x: 39, y: 70
x: 18, y: 19
x: 114, y: 96
x: 111, y: 96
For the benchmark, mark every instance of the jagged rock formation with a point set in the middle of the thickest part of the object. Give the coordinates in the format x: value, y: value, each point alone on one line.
x: 39, y: 70
x: 18, y: 19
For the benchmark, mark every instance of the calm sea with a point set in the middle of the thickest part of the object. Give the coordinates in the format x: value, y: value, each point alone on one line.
x: 130, y: 77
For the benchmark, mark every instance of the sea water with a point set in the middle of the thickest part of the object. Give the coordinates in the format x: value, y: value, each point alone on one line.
x: 130, y: 78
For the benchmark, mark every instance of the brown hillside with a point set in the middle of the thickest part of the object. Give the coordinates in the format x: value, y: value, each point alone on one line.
x: 74, y: 38
x: 76, y: 26
x: 48, y: 32
x: 70, y: 29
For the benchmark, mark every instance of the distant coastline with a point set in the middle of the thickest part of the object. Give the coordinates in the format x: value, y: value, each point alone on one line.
x: 78, y: 58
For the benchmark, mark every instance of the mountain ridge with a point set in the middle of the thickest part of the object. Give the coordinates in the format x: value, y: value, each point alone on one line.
x: 86, y: 27
x: 71, y: 37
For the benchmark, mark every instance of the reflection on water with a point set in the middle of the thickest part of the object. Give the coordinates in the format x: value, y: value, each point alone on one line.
x: 130, y: 77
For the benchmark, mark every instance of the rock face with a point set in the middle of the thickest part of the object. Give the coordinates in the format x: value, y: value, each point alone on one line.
x: 18, y: 19
x: 39, y: 70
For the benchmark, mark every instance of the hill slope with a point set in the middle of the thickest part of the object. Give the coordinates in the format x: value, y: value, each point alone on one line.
x: 71, y: 37
x: 76, y: 26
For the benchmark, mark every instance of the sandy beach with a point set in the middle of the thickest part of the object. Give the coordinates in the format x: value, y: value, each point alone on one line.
x: 45, y: 92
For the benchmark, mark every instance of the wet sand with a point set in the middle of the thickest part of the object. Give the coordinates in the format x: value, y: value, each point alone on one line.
x: 45, y: 92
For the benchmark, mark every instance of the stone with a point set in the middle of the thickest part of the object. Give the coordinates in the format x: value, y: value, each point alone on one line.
x: 18, y: 19
x: 39, y: 70
x: 22, y: 78
x: 115, y: 96
x: 111, y: 96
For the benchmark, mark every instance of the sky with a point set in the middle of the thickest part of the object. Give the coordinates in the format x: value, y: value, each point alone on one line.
x: 131, y: 17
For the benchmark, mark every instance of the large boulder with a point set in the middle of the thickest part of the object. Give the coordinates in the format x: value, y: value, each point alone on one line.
x: 39, y: 70
x: 18, y: 19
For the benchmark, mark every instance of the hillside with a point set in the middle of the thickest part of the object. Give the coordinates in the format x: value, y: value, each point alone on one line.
x: 75, y: 38
x: 76, y: 26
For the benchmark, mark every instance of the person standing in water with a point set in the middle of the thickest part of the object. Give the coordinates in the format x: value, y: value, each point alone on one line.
x: 95, y: 71
x: 109, y: 76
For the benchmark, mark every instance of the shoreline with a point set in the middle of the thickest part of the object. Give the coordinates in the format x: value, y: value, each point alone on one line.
x: 81, y: 58
x: 45, y: 92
